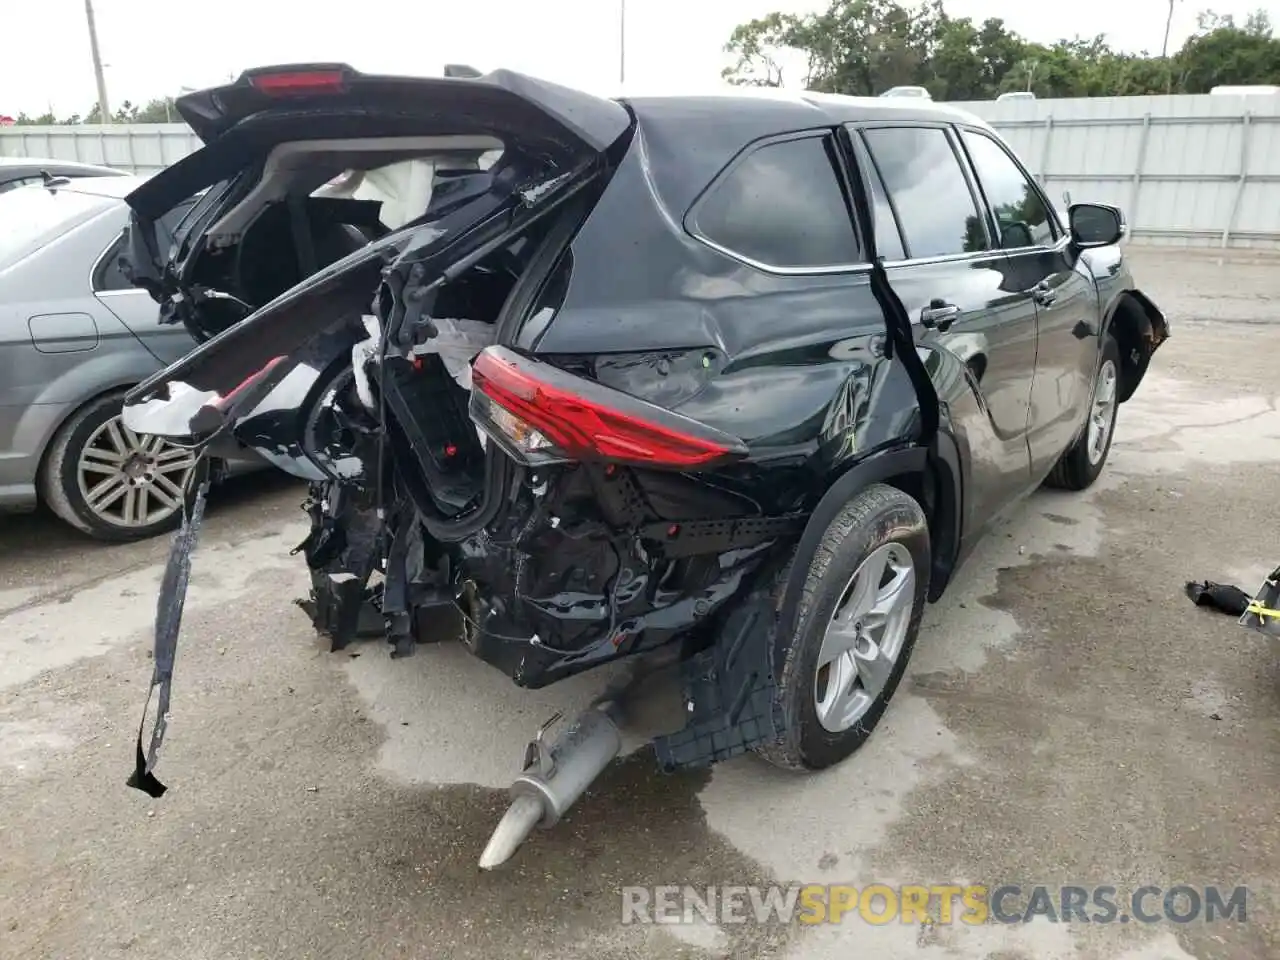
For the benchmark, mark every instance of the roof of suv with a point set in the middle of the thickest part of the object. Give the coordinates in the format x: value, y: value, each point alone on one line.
x: 808, y: 108
x: 690, y: 139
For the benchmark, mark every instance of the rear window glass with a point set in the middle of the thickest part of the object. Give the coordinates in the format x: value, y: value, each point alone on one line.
x: 34, y: 216
x: 781, y: 206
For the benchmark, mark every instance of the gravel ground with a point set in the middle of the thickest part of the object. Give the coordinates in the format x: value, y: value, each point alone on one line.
x: 1068, y: 718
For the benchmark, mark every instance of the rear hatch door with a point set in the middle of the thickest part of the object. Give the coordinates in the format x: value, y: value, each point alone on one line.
x: 242, y: 123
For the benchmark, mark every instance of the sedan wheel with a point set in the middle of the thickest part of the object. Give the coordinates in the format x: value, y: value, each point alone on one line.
x: 113, y: 484
x: 131, y: 480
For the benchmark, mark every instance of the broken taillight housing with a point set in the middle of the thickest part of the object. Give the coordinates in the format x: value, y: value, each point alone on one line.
x: 541, y: 414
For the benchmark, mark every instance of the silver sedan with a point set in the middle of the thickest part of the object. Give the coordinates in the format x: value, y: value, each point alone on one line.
x: 74, y: 336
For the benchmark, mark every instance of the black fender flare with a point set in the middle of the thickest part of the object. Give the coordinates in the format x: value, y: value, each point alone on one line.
x: 874, y: 469
x: 1152, y: 330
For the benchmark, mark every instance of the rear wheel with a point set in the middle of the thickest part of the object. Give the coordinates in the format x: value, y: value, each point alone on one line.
x: 111, y: 483
x: 1082, y: 463
x: 859, y: 613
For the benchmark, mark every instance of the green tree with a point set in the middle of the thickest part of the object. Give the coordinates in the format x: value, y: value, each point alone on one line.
x: 157, y: 111
x: 757, y: 45
x: 1223, y: 53
x: 864, y: 47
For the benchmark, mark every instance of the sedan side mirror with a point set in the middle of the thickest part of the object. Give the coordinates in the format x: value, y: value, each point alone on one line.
x: 1095, y: 224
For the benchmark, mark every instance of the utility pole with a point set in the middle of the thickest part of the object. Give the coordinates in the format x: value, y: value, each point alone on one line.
x: 622, y: 41
x: 1164, y: 50
x: 1168, y: 25
x: 104, y: 110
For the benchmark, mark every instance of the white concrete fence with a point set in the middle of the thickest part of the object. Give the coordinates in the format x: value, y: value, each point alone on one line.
x: 1201, y: 171
x: 1198, y: 171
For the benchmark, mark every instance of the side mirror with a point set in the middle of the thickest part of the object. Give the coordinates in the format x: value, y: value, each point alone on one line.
x: 1095, y: 224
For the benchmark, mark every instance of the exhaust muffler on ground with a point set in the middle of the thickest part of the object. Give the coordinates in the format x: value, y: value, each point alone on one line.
x: 554, y: 778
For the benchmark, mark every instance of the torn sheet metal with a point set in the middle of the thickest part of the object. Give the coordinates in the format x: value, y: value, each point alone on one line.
x: 173, y: 594
x: 173, y: 416
x: 361, y: 354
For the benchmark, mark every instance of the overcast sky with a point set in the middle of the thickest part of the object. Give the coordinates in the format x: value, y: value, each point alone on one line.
x: 156, y: 47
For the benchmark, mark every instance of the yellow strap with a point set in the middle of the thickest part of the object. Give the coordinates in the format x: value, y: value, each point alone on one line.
x: 1260, y: 610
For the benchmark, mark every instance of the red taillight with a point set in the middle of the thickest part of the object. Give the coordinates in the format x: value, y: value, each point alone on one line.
x: 299, y: 82
x: 543, y: 414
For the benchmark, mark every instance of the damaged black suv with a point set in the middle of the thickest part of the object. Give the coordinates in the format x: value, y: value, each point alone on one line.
x: 724, y: 385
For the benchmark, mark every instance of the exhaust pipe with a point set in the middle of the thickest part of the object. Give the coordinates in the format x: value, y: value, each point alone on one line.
x: 553, y: 779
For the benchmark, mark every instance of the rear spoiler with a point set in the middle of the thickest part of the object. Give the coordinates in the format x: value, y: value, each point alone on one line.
x: 242, y: 121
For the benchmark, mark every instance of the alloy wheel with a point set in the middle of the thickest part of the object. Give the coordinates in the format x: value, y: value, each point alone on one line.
x: 1102, y: 413
x: 132, y: 480
x: 862, y: 642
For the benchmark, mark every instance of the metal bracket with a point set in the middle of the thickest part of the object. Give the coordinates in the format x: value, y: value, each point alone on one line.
x: 538, y: 758
x: 688, y: 539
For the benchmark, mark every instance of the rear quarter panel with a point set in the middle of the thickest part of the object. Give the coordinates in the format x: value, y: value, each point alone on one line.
x: 794, y: 365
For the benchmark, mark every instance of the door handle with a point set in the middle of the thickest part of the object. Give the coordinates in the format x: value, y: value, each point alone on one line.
x: 1043, y: 294
x: 939, y: 315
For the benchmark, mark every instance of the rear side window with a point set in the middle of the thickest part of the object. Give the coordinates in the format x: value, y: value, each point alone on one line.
x: 107, y: 275
x: 1020, y: 214
x: 781, y: 206
x: 19, y: 182
x: 928, y: 189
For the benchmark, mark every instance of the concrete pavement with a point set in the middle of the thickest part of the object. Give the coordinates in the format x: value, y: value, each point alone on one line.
x: 1068, y: 718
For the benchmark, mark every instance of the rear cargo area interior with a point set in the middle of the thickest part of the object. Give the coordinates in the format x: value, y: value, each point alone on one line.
x: 319, y: 201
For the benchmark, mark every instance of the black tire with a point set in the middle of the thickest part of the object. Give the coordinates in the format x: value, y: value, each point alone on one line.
x: 1076, y: 470
x: 60, y: 488
x: 877, y: 516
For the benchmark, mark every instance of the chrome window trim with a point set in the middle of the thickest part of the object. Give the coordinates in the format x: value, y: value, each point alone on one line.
x: 93, y: 272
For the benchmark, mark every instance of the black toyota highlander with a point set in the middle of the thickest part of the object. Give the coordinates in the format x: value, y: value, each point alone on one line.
x: 726, y: 385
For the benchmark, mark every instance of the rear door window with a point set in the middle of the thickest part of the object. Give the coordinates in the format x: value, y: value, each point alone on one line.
x: 1020, y: 213
x: 888, y: 237
x: 928, y: 189
x: 781, y: 206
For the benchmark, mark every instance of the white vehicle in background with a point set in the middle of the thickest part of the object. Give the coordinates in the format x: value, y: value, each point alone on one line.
x: 1016, y: 95
x: 1256, y: 90
x: 919, y: 93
